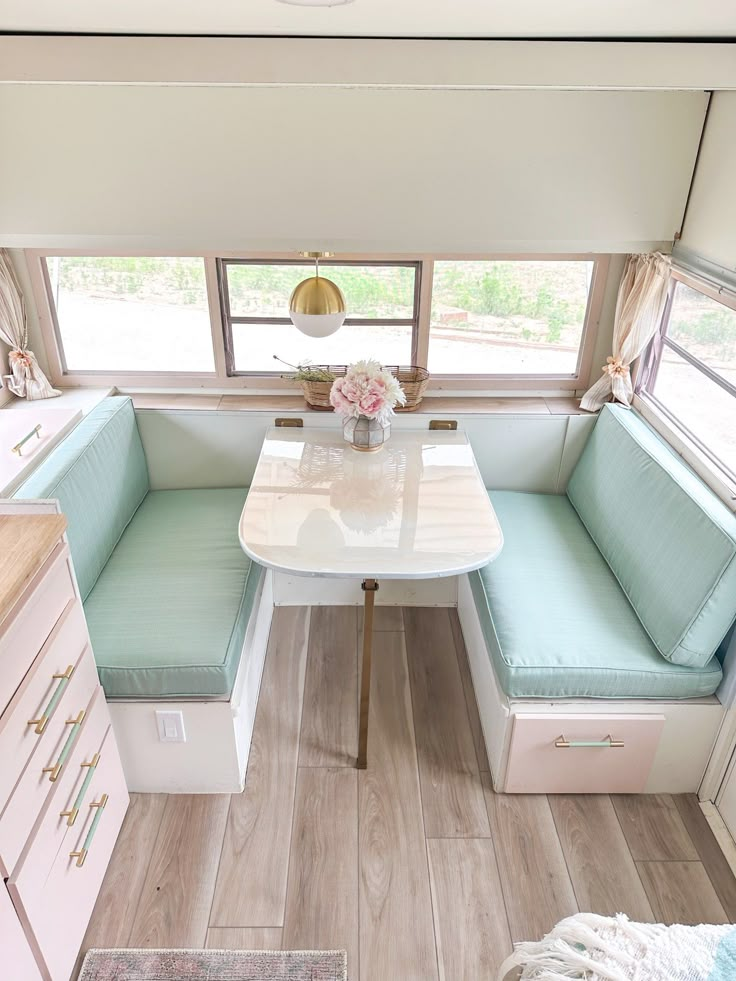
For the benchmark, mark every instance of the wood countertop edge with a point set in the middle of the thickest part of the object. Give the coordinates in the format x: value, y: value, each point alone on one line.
x: 26, y: 542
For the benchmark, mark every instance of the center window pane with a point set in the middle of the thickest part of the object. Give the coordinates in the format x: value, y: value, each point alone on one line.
x: 372, y: 293
x: 508, y: 316
x: 254, y: 345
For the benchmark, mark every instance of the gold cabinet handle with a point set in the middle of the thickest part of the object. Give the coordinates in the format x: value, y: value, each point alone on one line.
x: 81, y: 855
x: 608, y: 743
x: 36, y: 431
x: 55, y: 770
x: 63, y: 679
x: 72, y: 813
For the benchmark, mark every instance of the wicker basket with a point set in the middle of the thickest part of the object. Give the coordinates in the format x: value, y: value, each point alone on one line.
x: 413, y: 381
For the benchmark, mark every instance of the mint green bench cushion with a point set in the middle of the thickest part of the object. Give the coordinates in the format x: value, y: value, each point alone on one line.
x: 99, y: 475
x: 169, y: 612
x: 555, y: 620
x: 669, y: 540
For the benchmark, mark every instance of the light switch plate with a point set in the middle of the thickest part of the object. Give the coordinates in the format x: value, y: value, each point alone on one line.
x: 170, y: 727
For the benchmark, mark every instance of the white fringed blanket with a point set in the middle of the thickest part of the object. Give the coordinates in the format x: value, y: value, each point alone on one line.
x: 604, y: 948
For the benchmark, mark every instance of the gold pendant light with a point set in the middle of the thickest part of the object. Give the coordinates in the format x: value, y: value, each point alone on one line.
x: 317, y: 305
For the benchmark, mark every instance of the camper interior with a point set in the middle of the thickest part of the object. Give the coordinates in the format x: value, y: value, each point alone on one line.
x: 367, y: 491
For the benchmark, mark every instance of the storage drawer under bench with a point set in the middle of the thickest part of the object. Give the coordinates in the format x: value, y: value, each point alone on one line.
x: 581, y: 753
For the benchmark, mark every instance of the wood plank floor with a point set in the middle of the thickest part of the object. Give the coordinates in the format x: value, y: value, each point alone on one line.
x: 414, y: 866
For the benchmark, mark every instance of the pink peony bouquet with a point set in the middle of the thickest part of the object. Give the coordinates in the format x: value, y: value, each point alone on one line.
x: 367, y: 390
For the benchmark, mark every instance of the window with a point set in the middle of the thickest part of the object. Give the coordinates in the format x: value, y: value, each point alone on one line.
x: 690, y: 370
x: 121, y: 314
x: 515, y: 317
x: 198, y: 321
x: 383, y: 310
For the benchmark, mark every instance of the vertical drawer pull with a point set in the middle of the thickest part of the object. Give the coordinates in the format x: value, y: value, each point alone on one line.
x: 82, y: 853
x: 608, y: 743
x: 41, y: 723
x: 71, y: 815
x: 55, y: 770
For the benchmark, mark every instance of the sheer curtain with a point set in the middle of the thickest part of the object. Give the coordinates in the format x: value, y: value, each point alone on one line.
x: 26, y: 378
x: 641, y: 299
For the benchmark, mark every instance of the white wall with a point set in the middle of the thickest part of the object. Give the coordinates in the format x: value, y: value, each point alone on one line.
x: 710, y: 228
x: 356, y: 170
x: 190, y: 448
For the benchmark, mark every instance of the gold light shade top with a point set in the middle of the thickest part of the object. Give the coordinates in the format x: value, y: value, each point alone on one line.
x: 317, y: 296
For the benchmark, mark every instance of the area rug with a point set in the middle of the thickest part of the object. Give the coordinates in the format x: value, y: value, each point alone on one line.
x: 214, y: 965
x: 612, y: 948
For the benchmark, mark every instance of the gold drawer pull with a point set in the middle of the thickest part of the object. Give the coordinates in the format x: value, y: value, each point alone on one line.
x: 36, y: 431
x: 81, y: 855
x: 55, y: 770
x: 63, y: 679
x: 608, y: 743
x: 71, y: 815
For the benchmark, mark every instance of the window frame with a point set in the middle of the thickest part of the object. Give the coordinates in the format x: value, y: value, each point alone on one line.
x: 652, y: 358
x: 228, y: 319
x: 475, y: 384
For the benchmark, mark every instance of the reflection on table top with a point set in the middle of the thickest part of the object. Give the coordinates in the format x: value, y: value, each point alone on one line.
x: 415, y: 509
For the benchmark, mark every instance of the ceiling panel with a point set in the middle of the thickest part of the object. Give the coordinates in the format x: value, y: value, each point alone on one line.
x: 380, y: 18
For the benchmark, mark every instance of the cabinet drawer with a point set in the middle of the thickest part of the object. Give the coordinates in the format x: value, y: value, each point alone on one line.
x: 581, y: 754
x: 59, y: 878
x: 53, y: 750
x: 17, y: 957
x: 37, y: 702
x: 45, y: 837
x: 31, y: 623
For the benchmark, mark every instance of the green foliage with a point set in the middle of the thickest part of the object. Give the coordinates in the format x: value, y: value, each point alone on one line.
x: 177, y: 280
x: 537, y: 300
x: 713, y: 329
x: 552, y: 293
x: 370, y: 291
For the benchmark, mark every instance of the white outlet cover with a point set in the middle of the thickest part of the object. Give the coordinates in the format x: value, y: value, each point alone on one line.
x: 170, y: 727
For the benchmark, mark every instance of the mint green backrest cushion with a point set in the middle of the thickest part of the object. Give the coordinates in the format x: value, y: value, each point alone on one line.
x: 99, y: 475
x: 670, y: 542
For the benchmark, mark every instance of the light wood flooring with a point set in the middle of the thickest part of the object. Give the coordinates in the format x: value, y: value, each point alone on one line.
x: 414, y: 866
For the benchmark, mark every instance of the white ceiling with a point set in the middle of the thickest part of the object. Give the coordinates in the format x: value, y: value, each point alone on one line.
x: 380, y: 18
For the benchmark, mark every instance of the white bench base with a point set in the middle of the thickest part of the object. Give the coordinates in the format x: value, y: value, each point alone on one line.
x: 214, y: 758
x: 684, y: 744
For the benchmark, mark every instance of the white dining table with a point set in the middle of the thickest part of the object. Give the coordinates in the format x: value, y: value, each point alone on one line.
x: 415, y: 509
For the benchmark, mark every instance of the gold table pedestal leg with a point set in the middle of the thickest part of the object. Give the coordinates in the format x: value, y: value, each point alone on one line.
x: 370, y: 588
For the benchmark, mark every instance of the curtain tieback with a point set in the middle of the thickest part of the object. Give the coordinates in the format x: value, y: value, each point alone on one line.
x: 19, y: 357
x: 615, y: 368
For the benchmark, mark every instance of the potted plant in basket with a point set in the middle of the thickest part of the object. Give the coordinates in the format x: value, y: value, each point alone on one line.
x: 365, y: 397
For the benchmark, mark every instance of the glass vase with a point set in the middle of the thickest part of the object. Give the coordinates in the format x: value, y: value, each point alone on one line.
x: 364, y: 434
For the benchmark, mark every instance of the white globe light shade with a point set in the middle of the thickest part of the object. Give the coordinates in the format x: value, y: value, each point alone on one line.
x: 317, y: 324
